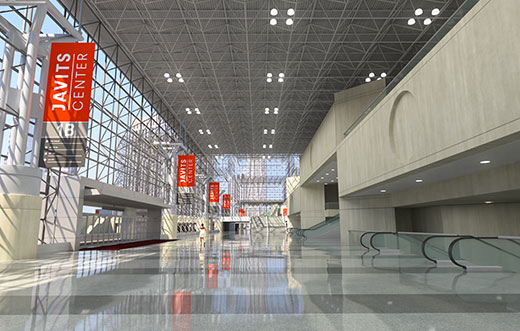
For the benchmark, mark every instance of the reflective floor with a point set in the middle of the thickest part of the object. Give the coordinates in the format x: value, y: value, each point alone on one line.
x: 257, y: 281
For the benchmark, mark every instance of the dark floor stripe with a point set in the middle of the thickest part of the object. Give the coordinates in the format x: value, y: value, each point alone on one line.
x: 219, y: 302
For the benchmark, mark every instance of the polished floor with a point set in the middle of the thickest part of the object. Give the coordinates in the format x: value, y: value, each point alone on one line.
x: 258, y: 281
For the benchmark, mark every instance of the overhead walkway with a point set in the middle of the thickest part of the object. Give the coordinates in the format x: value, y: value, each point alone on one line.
x: 447, y: 250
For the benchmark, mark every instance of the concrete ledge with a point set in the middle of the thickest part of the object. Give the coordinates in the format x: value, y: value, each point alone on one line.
x: 49, y: 249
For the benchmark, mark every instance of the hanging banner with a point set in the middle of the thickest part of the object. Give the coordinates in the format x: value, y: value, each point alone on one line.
x: 285, y: 212
x: 241, y: 212
x: 186, y: 179
x: 214, y: 197
x: 67, y: 105
x: 226, y: 205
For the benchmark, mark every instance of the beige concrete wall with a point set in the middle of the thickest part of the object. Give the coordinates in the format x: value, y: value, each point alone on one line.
x: 461, y: 96
x: 369, y: 213
x: 20, y: 217
x: 347, y: 107
x: 309, y: 201
x: 169, y: 226
x: 501, y: 219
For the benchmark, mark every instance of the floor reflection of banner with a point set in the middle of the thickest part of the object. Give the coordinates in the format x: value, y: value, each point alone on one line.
x: 182, y: 310
x: 212, y: 276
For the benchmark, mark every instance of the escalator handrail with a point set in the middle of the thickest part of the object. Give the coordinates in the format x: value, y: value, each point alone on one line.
x: 321, y: 224
x: 378, y: 233
x: 364, y: 234
x: 423, y: 245
x: 481, y: 239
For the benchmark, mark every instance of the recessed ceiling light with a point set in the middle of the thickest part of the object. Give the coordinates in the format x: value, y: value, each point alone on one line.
x: 321, y: 177
x: 485, y: 162
x: 280, y: 80
x: 383, y: 191
x: 269, y: 80
x: 317, y: 181
x: 419, y: 12
x: 428, y: 21
x: 273, y: 21
x: 169, y: 80
x: 411, y: 21
x: 379, y: 78
x: 178, y: 75
x: 264, y: 146
x: 166, y: 75
x: 189, y: 113
x: 272, y: 131
x: 289, y: 21
x: 282, y: 75
x: 271, y: 146
x: 327, y: 174
x: 418, y: 180
x: 187, y: 109
x: 274, y: 12
x: 383, y: 74
x: 332, y: 169
x: 290, y: 12
x: 371, y: 75
x: 208, y: 131
x: 216, y: 146
x: 368, y: 80
x: 436, y: 11
x: 265, y: 131
x: 488, y: 202
x: 269, y: 74
x: 276, y: 109
x: 210, y: 147
x: 181, y: 80
x: 201, y: 132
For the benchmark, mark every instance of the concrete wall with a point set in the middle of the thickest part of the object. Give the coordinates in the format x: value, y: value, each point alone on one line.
x: 461, y: 96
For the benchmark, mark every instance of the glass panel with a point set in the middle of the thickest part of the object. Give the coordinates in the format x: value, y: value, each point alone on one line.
x: 411, y: 244
x: 365, y: 239
x: 475, y: 252
x: 437, y: 248
x: 385, y: 241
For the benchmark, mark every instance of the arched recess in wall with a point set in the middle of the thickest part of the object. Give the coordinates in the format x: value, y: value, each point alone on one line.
x: 403, y: 116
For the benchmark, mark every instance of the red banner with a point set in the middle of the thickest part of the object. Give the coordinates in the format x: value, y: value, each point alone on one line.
x: 285, y: 212
x: 69, y: 82
x: 226, y: 201
x: 186, y: 171
x: 241, y: 212
x: 214, y: 192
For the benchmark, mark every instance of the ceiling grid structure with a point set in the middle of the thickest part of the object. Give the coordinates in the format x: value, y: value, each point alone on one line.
x: 225, y: 48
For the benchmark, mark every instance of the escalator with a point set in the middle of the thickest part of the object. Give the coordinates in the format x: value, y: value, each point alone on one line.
x: 326, y: 230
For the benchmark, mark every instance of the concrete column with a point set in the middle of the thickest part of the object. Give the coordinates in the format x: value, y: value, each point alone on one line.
x: 372, y: 213
x: 20, y: 209
x: 169, y: 224
x: 7, y: 71
x: 153, y: 225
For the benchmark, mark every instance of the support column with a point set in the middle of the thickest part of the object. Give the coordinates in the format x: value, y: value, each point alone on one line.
x: 7, y: 71
x: 169, y: 224
x: 20, y: 209
x: 366, y: 213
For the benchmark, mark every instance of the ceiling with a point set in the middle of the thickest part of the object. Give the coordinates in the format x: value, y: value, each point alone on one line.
x: 224, y: 50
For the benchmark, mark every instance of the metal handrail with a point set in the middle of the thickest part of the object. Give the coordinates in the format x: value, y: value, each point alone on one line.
x: 378, y: 233
x: 481, y: 239
x: 423, y: 246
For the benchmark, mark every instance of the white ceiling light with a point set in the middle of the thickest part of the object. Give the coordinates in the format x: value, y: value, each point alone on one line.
x: 265, y: 131
x: 411, y: 21
x: 418, y: 180
x: 332, y: 169
x: 269, y: 74
x: 189, y: 113
x: 208, y: 131
x: 383, y: 191
x: 269, y: 80
x: 271, y: 146
x: 187, y: 109
x: 485, y: 162
x: 289, y: 21
x: 436, y: 11
x: 280, y: 80
x: 264, y: 146
x: 419, y: 12
x: 178, y: 75
x: 488, y: 202
x: 383, y: 74
x: 371, y: 75
x: 272, y: 131
x: 274, y: 12
x: 273, y: 21
x: 290, y: 12
x: 428, y: 21
x: 169, y: 80
x: 378, y: 78
x: 281, y: 75
x: 210, y: 147
x: 368, y: 80
x: 181, y: 80
x: 200, y: 131
x: 216, y: 146
x: 166, y: 75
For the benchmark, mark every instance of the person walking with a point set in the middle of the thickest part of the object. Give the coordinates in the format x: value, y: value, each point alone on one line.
x: 202, y: 234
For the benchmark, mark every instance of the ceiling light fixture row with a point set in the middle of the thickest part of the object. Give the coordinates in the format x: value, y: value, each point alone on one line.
x: 267, y: 110
x: 289, y: 21
x: 267, y: 131
x: 264, y: 146
x: 208, y: 131
x: 419, y: 12
x: 169, y: 79
x: 270, y: 77
x: 189, y: 112
x: 214, y: 146
x: 372, y: 76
